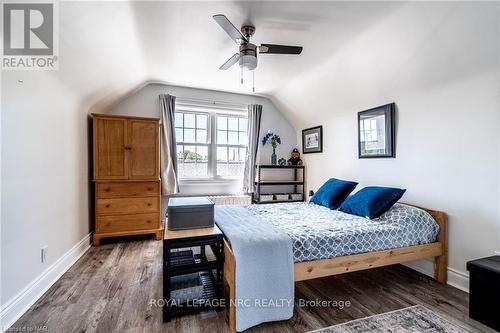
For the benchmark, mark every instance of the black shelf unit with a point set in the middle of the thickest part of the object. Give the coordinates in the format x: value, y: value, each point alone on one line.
x: 271, y: 166
x: 296, y: 182
x: 179, y: 258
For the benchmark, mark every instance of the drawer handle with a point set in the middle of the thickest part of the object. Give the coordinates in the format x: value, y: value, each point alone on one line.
x: 148, y: 221
x: 150, y: 188
x: 108, y: 205
x: 149, y: 204
x: 107, y: 190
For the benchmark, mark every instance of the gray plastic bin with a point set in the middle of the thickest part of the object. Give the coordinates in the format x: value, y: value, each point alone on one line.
x: 190, y: 213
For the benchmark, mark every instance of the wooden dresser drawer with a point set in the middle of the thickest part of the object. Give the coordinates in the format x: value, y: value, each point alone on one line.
x: 120, y: 223
x: 127, y: 205
x: 128, y: 189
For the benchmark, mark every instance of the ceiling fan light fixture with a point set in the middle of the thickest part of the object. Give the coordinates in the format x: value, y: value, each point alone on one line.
x: 248, y: 62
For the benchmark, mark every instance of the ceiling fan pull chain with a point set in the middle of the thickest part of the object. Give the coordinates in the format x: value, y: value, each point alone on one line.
x: 253, y: 80
x: 241, y: 75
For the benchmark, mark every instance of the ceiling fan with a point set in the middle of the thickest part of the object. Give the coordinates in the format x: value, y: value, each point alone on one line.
x: 247, y: 55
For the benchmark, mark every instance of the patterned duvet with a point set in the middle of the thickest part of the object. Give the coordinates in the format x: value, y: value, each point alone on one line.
x: 320, y: 233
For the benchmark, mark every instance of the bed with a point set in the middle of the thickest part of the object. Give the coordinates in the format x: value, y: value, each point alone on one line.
x: 327, y: 242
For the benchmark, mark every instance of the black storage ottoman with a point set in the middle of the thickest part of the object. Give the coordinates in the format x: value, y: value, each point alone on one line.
x: 190, y: 213
x: 484, y: 291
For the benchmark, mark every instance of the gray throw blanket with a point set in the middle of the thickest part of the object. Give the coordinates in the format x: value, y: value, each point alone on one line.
x: 264, y: 267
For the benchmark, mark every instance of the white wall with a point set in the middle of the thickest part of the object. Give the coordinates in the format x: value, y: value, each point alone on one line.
x: 44, y: 173
x: 439, y: 62
x: 44, y: 179
x: 145, y: 102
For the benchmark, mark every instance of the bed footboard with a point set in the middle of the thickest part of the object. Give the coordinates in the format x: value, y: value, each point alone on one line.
x: 229, y: 282
x: 441, y: 262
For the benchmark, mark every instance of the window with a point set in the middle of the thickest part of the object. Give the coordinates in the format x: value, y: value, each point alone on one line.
x: 211, y: 144
x: 232, y: 142
x: 192, y: 144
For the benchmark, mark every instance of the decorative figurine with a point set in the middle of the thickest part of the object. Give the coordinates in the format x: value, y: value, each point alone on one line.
x: 282, y: 161
x: 295, y: 159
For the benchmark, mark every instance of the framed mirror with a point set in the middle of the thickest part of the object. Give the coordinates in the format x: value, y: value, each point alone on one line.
x: 376, y: 132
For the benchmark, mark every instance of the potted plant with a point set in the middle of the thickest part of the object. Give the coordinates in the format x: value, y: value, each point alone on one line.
x: 275, y: 140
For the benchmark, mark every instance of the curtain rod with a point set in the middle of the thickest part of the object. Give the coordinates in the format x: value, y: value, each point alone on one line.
x: 212, y: 102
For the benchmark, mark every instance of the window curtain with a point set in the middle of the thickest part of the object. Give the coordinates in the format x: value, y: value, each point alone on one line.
x: 254, y: 117
x: 168, y: 153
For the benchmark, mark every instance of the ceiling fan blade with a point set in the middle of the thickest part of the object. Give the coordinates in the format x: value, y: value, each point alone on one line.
x: 231, y: 61
x: 279, y: 49
x: 230, y: 29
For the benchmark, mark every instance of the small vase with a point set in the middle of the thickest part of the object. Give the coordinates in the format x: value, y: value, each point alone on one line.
x: 274, y: 160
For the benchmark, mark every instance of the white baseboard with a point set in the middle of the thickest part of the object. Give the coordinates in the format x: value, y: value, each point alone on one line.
x: 14, y: 308
x: 456, y: 278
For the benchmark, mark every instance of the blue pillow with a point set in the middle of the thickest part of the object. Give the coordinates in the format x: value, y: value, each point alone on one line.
x: 372, y: 201
x: 333, y: 192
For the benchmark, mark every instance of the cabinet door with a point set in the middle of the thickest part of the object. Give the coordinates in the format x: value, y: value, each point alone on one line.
x: 110, y: 158
x: 144, y: 158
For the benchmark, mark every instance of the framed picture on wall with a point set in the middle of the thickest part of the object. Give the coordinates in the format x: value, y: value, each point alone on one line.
x: 376, y: 132
x: 312, y: 140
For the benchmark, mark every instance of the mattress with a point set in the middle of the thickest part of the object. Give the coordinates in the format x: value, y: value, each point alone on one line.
x: 320, y: 233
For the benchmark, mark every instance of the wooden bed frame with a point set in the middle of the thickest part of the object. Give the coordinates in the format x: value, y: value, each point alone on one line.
x: 307, y: 270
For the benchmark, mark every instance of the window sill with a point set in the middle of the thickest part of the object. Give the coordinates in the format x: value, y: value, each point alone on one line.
x: 210, y: 181
x: 210, y: 186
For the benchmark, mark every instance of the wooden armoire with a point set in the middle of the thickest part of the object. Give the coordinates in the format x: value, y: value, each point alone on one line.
x: 127, y: 176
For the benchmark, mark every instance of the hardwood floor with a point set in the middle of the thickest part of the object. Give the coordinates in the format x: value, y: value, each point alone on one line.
x: 110, y: 288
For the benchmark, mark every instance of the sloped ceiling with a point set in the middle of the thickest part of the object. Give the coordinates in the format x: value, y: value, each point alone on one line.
x: 416, y: 46
x: 109, y: 48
